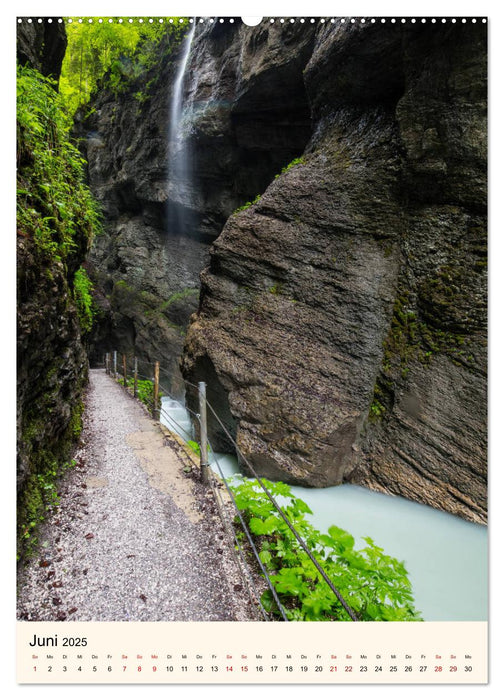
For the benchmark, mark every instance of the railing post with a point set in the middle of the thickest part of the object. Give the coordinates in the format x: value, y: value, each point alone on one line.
x: 115, y: 364
x: 124, y: 372
x: 135, y: 379
x: 155, y: 410
x: 107, y: 363
x: 205, y: 471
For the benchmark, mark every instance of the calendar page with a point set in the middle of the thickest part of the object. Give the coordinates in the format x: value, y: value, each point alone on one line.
x: 252, y: 349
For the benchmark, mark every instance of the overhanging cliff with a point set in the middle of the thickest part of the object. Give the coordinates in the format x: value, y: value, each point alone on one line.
x: 341, y: 325
x: 344, y: 314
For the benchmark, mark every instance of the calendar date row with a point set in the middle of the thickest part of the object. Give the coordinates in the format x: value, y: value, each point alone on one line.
x: 266, y: 669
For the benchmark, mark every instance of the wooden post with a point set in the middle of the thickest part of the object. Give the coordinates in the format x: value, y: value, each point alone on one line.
x: 107, y: 363
x: 115, y: 364
x: 205, y: 470
x: 135, y: 379
x: 124, y: 372
x: 155, y: 410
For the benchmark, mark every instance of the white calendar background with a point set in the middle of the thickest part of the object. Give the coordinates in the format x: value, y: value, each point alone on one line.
x: 194, y: 645
x: 237, y: 653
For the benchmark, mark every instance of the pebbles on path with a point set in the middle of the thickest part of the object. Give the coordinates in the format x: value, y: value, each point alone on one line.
x: 119, y: 547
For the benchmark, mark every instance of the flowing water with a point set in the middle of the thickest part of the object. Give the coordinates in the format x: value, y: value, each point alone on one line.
x: 179, y: 157
x: 446, y: 557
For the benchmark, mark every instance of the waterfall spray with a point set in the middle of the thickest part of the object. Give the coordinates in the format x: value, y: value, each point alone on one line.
x: 179, y: 156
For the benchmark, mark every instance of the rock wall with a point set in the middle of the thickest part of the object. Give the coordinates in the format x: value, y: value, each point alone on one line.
x: 42, y: 46
x: 146, y: 273
x: 51, y: 360
x: 342, y: 324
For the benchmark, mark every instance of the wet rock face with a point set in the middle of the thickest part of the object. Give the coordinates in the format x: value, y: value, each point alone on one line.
x: 291, y: 310
x: 42, y: 46
x: 343, y: 316
x: 52, y: 364
x: 242, y: 127
x: 341, y: 322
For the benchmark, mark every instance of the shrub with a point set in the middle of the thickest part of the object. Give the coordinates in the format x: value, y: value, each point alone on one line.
x: 54, y: 206
x: 374, y: 585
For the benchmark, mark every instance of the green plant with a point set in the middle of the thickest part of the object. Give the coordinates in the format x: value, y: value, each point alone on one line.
x: 194, y: 447
x: 296, y: 161
x: 145, y: 391
x: 374, y: 585
x: 82, y: 289
x: 276, y: 289
x: 377, y: 410
x: 413, y: 338
x: 141, y: 97
x: 54, y: 206
x: 247, y: 205
x: 40, y: 496
x: 113, y: 54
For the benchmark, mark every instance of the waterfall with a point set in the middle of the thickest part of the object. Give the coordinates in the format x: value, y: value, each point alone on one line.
x: 179, y: 214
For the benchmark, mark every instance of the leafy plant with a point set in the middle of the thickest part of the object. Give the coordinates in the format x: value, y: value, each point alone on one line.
x: 247, y: 205
x: 296, y: 161
x: 374, y: 585
x: 54, y: 206
x: 145, y: 391
x: 276, y: 289
x: 194, y: 447
x: 377, y: 410
x: 43, y: 497
x: 113, y: 53
x: 84, y: 301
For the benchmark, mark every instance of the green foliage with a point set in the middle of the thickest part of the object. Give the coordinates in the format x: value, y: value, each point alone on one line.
x: 54, y: 206
x: 145, y: 391
x: 186, y: 293
x: 277, y: 288
x: 377, y: 410
x: 113, y: 54
x: 247, y: 205
x: 82, y: 289
x: 374, y: 585
x: 40, y: 496
x: 48, y: 454
x: 194, y: 447
x: 296, y: 161
x: 378, y: 407
x: 412, y: 338
x: 141, y: 97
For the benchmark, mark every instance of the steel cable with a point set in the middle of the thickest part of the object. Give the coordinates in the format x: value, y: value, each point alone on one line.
x: 319, y: 568
x: 170, y: 418
x: 249, y: 537
x: 237, y: 550
x: 301, y: 542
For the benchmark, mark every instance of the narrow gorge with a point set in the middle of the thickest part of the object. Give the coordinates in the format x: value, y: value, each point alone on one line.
x: 333, y: 206
x: 294, y: 213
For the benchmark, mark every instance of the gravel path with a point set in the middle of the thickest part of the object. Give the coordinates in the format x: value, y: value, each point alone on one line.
x: 133, y: 537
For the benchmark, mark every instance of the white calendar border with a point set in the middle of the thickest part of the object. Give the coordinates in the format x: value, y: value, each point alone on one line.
x: 261, y: 8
